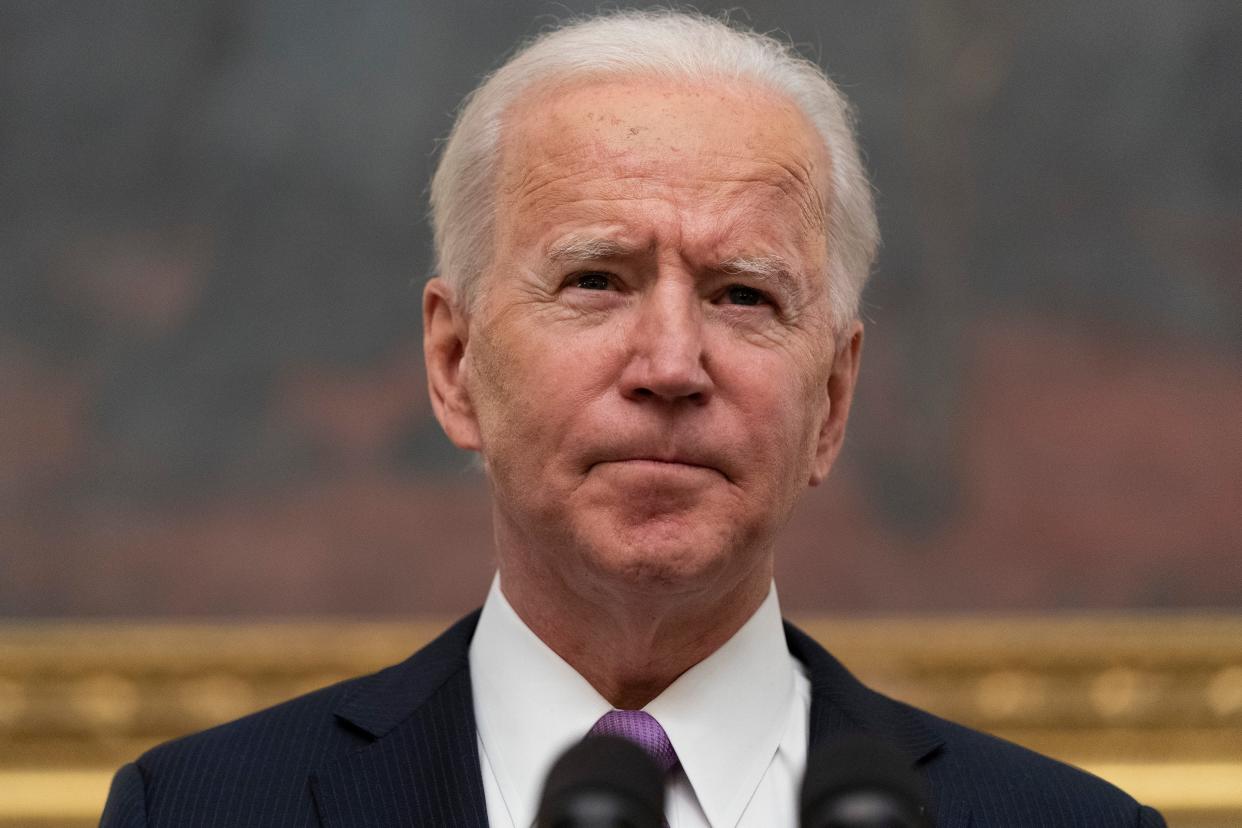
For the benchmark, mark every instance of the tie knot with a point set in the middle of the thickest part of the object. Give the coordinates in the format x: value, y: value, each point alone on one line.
x: 641, y: 728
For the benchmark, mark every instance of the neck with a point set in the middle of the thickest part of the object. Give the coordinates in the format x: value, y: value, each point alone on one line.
x: 632, y: 640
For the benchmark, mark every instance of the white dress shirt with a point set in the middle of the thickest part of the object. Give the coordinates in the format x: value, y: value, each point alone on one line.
x: 737, y: 719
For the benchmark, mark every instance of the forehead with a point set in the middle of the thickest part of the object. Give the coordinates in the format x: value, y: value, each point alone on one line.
x: 699, y: 156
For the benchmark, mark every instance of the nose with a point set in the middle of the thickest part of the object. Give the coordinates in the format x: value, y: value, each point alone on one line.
x: 667, y: 360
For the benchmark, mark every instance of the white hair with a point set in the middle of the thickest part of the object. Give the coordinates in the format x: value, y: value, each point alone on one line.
x: 664, y: 43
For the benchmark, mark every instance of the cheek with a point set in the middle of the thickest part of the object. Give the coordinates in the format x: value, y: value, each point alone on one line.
x: 496, y: 383
x: 526, y: 389
x: 784, y: 410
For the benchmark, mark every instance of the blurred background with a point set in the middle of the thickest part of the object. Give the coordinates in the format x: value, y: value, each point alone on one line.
x: 214, y: 241
x: 213, y: 417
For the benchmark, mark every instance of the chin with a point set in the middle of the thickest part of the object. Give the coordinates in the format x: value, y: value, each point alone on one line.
x: 659, y: 557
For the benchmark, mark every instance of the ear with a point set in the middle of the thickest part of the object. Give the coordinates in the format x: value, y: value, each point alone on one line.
x: 840, y: 391
x: 445, y: 333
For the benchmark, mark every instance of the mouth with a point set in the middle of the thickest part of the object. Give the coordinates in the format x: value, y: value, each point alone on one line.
x: 666, y: 461
x: 661, y: 465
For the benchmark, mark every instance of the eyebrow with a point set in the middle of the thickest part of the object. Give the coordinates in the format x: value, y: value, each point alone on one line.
x: 589, y: 249
x: 765, y: 270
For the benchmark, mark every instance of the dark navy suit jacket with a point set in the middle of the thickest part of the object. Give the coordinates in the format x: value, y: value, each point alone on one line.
x: 398, y: 748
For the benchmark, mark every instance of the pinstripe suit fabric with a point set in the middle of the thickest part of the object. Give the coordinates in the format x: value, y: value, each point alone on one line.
x: 398, y: 748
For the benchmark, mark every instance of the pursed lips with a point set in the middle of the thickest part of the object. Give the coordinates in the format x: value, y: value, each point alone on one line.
x: 671, y: 462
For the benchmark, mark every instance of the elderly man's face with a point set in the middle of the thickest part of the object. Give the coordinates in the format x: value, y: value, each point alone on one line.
x: 650, y: 374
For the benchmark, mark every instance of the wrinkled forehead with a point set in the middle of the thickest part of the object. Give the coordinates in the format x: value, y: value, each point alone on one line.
x: 621, y: 128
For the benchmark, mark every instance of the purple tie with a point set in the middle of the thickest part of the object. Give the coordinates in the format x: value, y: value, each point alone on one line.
x: 641, y: 728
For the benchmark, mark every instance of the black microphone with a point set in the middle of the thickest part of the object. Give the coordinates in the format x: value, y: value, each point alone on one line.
x: 860, y: 782
x: 603, y: 782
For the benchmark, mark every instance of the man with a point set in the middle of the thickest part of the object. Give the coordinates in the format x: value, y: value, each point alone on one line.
x: 652, y: 231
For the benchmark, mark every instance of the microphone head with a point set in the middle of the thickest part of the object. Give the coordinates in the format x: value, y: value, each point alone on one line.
x: 861, y: 782
x: 603, y: 782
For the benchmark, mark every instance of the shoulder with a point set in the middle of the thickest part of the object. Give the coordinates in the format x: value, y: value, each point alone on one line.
x: 987, y: 775
x: 974, y: 778
x: 260, y: 761
x: 264, y: 761
x: 303, y: 728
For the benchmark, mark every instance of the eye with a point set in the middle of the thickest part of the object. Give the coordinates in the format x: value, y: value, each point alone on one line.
x: 744, y: 295
x: 591, y: 280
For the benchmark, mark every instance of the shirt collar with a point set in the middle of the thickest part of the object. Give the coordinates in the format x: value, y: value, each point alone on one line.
x: 725, y: 716
x: 529, y: 704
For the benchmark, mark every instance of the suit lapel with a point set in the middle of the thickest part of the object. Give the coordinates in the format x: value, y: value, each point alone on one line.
x: 842, y: 706
x: 423, y: 766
